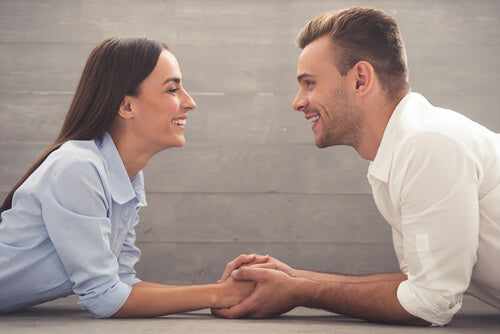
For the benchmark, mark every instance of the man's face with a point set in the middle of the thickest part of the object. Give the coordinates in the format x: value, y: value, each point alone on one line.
x: 324, y: 96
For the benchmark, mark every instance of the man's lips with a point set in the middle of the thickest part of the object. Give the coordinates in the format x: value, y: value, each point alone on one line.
x: 314, y: 119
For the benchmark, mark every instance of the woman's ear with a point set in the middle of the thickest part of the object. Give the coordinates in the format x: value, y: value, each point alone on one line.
x: 126, y: 110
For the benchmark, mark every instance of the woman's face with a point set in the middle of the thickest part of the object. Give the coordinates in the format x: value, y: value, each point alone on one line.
x: 160, y: 109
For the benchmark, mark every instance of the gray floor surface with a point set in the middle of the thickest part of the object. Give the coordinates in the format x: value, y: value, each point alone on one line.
x: 64, y: 316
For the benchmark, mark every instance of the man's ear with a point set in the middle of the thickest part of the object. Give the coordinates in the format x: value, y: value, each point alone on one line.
x: 126, y: 110
x: 364, y: 76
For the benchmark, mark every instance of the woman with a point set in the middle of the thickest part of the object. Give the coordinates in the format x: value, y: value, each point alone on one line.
x: 68, y: 225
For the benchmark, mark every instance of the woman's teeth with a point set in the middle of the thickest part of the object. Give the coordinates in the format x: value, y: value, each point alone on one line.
x: 314, y: 119
x: 179, y: 121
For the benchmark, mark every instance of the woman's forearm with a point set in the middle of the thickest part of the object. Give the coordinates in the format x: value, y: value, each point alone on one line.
x: 153, y: 285
x: 150, y: 300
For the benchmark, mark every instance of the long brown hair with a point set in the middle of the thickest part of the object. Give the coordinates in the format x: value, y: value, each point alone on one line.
x: 363, y: 34
x: 115, y: 68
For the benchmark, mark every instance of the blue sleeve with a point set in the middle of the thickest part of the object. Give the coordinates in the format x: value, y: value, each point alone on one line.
x: 75, y: 208
x: 129, y: 256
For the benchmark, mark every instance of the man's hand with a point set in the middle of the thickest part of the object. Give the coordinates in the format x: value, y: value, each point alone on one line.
x: 275, y: 293
x: 246, y: 260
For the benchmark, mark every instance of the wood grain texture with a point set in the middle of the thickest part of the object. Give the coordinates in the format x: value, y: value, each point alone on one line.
x: 262, y: 217
x: 228, y: 169
x: 203, y: 263
x: 249, y: 178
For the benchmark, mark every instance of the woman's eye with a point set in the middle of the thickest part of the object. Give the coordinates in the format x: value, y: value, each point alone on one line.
x: 173, y: 90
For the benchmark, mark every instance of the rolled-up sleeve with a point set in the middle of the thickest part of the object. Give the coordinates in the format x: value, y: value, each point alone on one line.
x: 129, y: 256
x: 75, y: 207
x: 440, y: 227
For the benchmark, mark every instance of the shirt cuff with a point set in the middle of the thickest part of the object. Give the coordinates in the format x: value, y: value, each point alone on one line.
x: 105, y: 304
x: 426, y: 304
x: 129, y: 279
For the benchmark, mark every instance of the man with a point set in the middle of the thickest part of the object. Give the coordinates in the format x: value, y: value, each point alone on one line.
x: 435, y: 177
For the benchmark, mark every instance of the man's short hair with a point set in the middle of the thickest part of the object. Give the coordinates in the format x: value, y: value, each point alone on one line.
x: 363, y: 34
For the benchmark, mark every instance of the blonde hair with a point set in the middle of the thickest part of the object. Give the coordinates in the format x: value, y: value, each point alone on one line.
x: 363, y: 34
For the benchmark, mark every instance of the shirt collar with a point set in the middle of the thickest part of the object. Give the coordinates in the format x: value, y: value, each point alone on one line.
x: 122, y: 188
x: 380, y: 166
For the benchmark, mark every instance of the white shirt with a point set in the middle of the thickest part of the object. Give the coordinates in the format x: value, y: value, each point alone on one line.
x: 436, y: 180
x: 71, y: 230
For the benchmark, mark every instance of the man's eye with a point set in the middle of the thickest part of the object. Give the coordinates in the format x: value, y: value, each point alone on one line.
x: 309, y: 83
x: 173, y: 90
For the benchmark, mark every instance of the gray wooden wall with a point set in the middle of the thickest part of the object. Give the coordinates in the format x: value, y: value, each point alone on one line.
x: 249, y: 178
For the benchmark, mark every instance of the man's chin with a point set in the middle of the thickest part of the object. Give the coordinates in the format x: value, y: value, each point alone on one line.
x: 320, y: 144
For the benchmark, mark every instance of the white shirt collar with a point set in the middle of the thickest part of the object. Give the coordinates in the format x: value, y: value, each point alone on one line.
x: 380, y: 167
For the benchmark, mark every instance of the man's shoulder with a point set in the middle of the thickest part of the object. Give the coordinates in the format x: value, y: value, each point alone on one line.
x: 422, y: 122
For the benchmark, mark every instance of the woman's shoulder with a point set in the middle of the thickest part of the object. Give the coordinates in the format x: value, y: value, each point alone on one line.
x: 75, y: 155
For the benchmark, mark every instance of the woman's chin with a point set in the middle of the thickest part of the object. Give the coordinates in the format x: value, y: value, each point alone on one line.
x: 179, y: 143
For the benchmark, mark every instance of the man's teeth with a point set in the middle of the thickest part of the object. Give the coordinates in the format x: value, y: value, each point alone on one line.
x: 314, y: 119
x: 179, y: 121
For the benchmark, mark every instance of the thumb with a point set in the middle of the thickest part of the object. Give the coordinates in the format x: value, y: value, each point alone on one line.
x: 249, y: 274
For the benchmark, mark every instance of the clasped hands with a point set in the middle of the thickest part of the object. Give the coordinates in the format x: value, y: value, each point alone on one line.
x: 275, y: 290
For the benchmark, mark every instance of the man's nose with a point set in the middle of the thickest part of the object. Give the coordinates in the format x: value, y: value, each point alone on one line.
x: 299, y: 103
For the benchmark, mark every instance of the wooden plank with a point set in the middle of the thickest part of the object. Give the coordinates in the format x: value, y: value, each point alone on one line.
x: 31, y: 117
x: 448, y: 22
x: 17, y: 159
x: 249, y: 178
x: 260, y: 22
x: 240, y: 169
x: 264, y: 168
x: 41, y: 68
x: 253, y: 69
x: 203, y: 263
x: 48, y: 21
x: 220, y: 120
x: 269, y: 218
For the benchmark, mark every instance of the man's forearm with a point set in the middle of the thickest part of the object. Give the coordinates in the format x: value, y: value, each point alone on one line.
x: 373, y: 300
x: 324, y: 277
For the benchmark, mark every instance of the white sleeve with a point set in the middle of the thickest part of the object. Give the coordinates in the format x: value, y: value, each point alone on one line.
x: 438, y: 199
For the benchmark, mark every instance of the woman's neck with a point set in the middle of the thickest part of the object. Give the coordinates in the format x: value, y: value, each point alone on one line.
x: 133, y: 156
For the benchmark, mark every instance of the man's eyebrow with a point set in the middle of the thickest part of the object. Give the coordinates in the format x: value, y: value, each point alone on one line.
x: 303, y: 76
x: 175, y: 79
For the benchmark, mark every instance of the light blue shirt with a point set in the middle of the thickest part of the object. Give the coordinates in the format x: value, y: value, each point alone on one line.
x: 71, y: 230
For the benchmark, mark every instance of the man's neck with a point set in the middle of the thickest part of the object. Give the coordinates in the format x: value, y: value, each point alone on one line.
x: 376, y: 120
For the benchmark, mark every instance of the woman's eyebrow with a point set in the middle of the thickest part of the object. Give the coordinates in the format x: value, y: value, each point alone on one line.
x: 175, y: 79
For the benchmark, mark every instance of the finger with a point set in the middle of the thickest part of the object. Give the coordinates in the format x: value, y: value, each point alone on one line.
x: 249, y: 274
x: 220, y: 312
x: 265, y: 265
x: 236, y: 263
x: 246, y: 307
x: 261, y: 259
x: 216, y: 311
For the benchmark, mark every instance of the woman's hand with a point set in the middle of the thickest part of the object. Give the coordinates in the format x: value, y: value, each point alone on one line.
x: 234, y: 292
x: 253, y: 259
